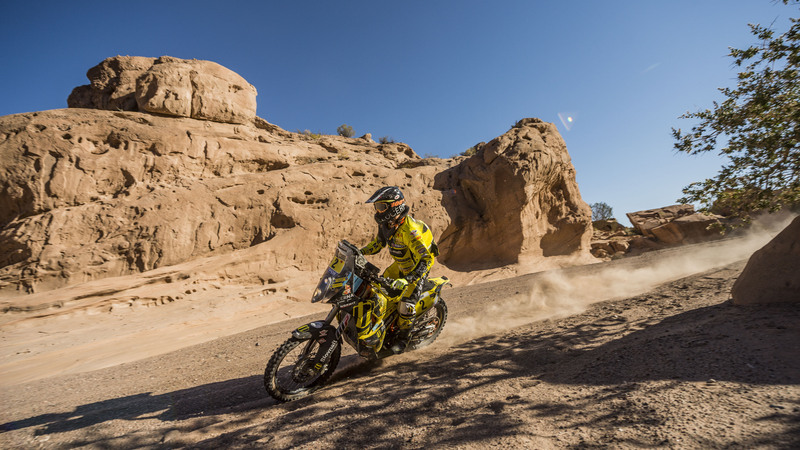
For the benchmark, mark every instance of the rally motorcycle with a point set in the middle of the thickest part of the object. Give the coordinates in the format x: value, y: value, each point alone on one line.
x: 306, y: 361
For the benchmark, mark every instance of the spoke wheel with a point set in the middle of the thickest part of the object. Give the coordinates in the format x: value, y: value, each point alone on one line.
x: 429, y: 326
x: 290, y: 373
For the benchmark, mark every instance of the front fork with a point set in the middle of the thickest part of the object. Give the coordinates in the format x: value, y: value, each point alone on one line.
x: 325, y: 334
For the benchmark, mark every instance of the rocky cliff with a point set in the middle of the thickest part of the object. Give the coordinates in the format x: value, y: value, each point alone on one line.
x: 515, y: 200
x: 170, y: 86
x: 163, y: 161
x: 772, y: 274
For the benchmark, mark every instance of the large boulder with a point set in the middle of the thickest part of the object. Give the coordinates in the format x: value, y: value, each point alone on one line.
x: 697, y: 227
x: 676, y: 224
x: 609, y: 239
x: 772, y: 274
x: 515, y: 200
x: 608, y: 226
x: 196, y: 89
x: 644, y: 221
x: 169, y: 86
x: 112, y: 84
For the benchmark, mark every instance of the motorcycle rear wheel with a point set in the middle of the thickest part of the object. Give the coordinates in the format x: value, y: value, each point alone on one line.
x: 428, y: 326
x: 288, y: 375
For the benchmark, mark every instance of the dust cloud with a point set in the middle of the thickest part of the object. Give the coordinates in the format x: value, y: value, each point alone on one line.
x: 560, y: 293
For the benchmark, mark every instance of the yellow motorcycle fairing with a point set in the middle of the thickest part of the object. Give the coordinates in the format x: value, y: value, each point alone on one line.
x: 369, y: 318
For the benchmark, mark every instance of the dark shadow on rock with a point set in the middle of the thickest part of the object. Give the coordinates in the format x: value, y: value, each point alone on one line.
x: 463, y: 243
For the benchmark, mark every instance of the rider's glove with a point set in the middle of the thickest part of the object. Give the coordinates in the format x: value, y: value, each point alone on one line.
x: 399, y: 284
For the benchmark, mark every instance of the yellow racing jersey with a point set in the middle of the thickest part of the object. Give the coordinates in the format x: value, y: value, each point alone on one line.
x: 411, y: 246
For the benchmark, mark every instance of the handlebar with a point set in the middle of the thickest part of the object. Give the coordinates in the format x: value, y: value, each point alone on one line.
x: 385, y: 283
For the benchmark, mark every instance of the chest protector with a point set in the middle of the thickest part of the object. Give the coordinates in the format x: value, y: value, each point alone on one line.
x: 411, y: 244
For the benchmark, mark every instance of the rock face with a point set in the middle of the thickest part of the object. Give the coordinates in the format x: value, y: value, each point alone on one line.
x: 170, y: 86
x: 644, y: 221
x: 658, y: 228
x: 609, y: 238
x: 676, y: 224
x: 772, y: 275
x: 516, y: 199
x: 113, y: 84
x: 609, y: 226
x: 87, y: 194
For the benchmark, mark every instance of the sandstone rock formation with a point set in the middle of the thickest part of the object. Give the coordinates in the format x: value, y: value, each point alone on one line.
x: 772, y: 274
x: 644, y: 221
x: 90, y: 194
x: 515, y: 200
x: 676, y: 224
x: 658, y: 228
x: 609, y: 238
x: 169, y: 86
x: 609, y: 226
x: 113, y: 84
x: 87, y: 194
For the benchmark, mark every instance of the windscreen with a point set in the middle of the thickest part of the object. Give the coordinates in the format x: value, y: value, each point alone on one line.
x: 335, y: 276
x: 324, y: 292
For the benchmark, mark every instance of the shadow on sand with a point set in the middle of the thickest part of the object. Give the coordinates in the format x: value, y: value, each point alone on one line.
x: 720, y: 342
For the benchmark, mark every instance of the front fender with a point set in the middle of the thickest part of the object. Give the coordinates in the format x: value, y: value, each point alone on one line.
x: 325, y: 335
x: 314, y: 330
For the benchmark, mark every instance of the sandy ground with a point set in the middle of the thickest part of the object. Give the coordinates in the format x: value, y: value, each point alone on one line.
x: 640, y: 352
x: 107, y: 322
x: 87, y: 340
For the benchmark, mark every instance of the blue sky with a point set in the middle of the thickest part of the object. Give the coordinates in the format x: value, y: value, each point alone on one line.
x: 440, y: 76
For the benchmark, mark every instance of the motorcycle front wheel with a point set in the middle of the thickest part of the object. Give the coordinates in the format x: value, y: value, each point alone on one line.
x: 289, y: 374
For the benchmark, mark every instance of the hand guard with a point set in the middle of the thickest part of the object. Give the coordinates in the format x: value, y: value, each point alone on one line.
x: 399, y: 284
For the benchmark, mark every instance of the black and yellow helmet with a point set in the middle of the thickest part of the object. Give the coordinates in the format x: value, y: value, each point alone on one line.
x: 390, y: 204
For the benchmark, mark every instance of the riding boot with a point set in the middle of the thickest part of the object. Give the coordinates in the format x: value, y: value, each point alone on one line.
x: 401, y: 341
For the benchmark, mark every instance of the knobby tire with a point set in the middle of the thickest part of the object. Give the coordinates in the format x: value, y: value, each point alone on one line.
x: 277, y: 389
x: 440, y: 318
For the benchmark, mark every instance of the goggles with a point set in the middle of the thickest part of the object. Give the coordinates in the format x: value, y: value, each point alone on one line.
x: 383, y: 206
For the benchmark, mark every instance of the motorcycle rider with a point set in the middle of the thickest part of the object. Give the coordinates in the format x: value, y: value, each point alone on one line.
x: 411, y: 244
